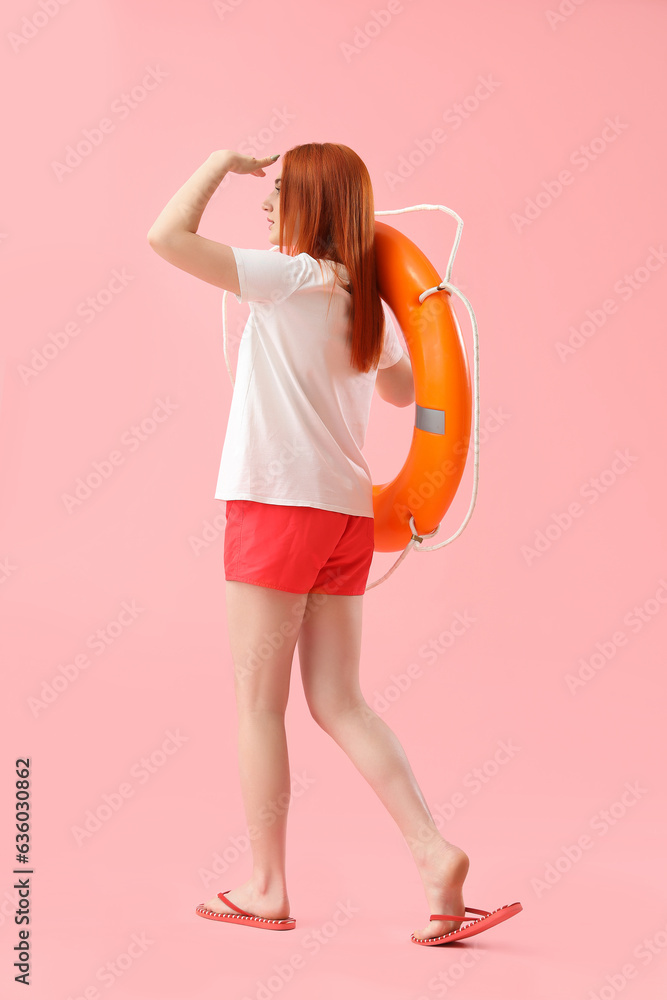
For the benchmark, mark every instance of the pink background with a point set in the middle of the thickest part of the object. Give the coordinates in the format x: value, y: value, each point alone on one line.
x: 595, y: 921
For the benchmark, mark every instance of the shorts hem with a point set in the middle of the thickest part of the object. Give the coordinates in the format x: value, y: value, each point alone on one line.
x: 273, y: 586
x: 259, y: 583
x: 356, y: 593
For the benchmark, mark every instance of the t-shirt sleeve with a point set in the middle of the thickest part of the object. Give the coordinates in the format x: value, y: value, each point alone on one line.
x: 268, y: 275
x: 392, y: 350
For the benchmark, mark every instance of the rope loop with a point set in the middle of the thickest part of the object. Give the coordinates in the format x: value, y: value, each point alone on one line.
x: 420, y: 538
x: 444, y: 286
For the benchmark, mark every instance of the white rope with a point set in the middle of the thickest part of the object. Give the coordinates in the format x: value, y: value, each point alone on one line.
x: 446, y: 285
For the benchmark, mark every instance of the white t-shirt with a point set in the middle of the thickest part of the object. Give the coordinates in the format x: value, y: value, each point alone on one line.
x: 299, y: 410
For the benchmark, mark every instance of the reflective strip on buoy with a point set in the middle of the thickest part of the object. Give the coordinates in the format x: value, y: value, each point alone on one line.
x: 427, y: 419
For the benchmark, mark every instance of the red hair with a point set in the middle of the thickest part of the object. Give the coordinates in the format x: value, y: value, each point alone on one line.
x: 326, y: 187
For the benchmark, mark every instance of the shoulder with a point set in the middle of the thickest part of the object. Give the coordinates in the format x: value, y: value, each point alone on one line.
x: 269, y: 274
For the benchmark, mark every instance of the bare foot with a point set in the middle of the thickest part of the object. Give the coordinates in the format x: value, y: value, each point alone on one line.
x: 443, y: 875
x: 273, y: 906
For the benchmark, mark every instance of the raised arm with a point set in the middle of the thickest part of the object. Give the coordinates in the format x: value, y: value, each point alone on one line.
x: 174, y: 234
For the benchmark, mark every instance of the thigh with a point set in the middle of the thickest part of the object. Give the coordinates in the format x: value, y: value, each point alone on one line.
x: 329, y: 646
x: 263, y: 625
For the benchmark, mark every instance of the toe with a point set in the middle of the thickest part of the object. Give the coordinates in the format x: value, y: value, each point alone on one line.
x: 423, y: 932
x: 438, y: 928
x: 218, y: 906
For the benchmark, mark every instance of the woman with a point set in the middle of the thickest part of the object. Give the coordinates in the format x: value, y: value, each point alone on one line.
x: 298, y: 492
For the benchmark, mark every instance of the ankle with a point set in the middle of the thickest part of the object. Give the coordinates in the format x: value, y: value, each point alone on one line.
x: 267, y: 887
x: 434, y: 853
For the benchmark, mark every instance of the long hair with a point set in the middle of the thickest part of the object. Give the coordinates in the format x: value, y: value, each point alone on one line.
x: 326, y: 191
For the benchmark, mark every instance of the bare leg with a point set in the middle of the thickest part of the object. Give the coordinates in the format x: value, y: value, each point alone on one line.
x: 329, y: 651
x: 261, y: 681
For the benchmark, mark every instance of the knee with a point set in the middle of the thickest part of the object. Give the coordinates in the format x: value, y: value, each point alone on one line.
x: 330, y: 717
x: 323, y: 717
x: 260, y: 710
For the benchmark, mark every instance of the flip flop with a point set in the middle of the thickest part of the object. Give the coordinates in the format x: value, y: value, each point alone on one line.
x: 245, y: 918
x: 485, y: 920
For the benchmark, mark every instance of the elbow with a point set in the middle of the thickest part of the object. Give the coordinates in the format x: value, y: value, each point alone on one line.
x: 156, y: 236
x: 157, y: 242
x: 410, y: 397
x: 396, y: 400
x: 400, y: 401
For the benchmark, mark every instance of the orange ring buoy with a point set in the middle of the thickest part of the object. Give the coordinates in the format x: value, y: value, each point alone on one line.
x: 426, y: 485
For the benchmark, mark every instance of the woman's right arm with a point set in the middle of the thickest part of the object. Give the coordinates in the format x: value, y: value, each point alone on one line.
x: 395, y: 384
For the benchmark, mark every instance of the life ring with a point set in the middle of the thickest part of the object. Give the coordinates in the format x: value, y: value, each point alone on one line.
x: 426, y: 485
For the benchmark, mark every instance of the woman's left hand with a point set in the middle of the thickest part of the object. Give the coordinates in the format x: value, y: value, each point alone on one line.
x: 239, y: 163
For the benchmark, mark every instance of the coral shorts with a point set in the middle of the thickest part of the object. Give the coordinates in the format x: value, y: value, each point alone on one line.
x: 298, y: 549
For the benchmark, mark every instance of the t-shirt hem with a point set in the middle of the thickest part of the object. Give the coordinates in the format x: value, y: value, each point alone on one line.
x: 295, y: 503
